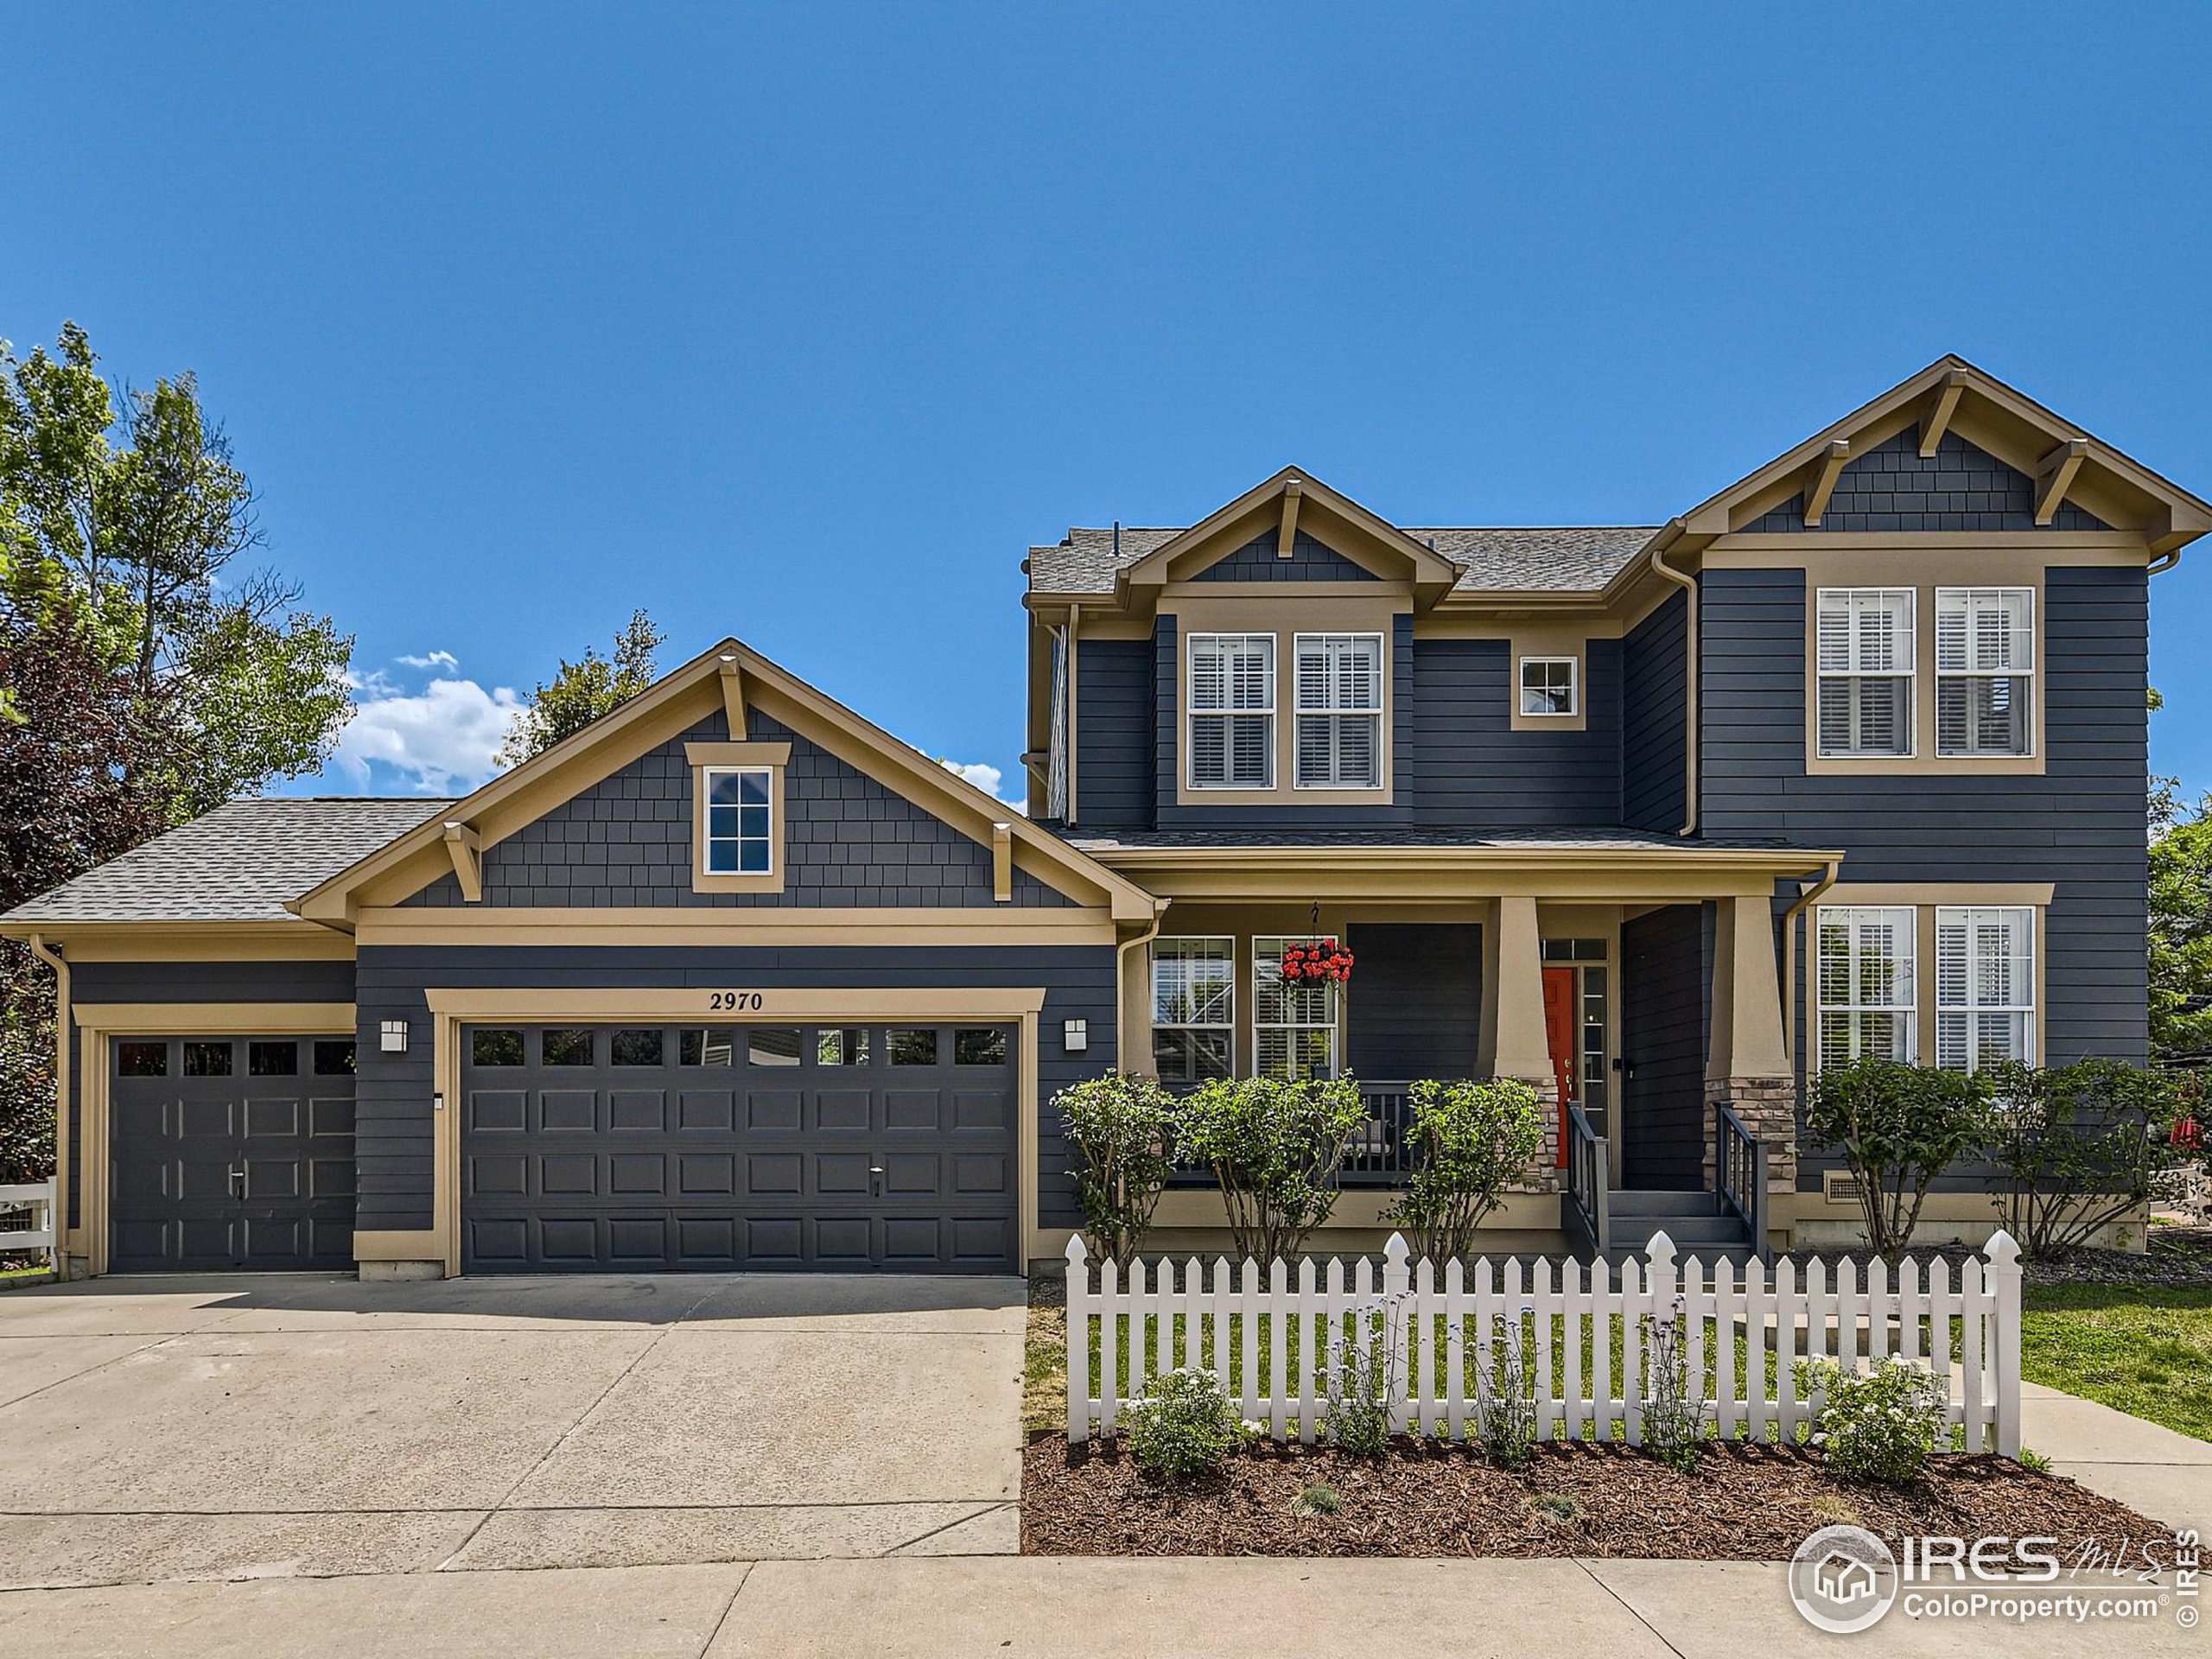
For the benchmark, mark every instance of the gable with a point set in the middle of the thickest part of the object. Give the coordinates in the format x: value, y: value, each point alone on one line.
x: 1894, y: 487
x: 848, y: 841
x: 1309, y: 560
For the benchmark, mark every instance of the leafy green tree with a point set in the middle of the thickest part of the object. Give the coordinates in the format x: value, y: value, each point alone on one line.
x: 1898, y: 1128
x: 1122, y: 1129
x: 1275, y: 1147
x: 1470, y: 1141
x: 583, y: 691
x: 2078, y: 1146
x: 2181, y: 925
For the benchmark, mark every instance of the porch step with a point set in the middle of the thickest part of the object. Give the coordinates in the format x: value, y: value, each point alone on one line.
x: 1690, y: 1232
x: 1633, y: 1201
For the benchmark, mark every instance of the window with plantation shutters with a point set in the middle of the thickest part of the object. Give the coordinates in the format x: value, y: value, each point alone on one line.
x: 1985, y: 986
x: 1294, y: 1027
x: 1232, y: 710
x: 1985, y: 665
x: 1340, y: 710
x: 1866, y: 655
x: 1866, y: 984
x: 1193, y: 1003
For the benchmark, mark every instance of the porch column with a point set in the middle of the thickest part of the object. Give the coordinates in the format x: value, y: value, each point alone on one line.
x: 1522, y: 1050
x: 1747, y: 994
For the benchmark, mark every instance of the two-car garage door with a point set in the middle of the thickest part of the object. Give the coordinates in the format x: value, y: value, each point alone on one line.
x: 592, y: 1148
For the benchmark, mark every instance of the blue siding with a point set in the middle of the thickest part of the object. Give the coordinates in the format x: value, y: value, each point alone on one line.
x: 1113, y: 737
x: 1415, y: 1009
x: 1471, y: 769
x: 1166, y: 696
x: 1309, y: 561
x: 1961, y: 486
x: 1654, y: 718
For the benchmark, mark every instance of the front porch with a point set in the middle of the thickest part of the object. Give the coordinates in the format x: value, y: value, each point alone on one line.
x: 1647, y: 1012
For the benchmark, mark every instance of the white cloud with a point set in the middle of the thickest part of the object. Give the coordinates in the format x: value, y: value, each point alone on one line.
x: 442, y: 740
x: 986, y: 778
x: 435, y: 659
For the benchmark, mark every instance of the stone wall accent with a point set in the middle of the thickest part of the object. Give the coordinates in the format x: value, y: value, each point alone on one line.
x: 1767, y: 1107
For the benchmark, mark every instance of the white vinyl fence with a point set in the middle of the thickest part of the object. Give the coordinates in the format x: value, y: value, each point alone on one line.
x: 1585, y: 1337
x: 27, y: 1216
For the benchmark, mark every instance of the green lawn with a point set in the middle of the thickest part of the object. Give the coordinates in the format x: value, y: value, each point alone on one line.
x: 2143, y: 1350
x: 13, y: 1276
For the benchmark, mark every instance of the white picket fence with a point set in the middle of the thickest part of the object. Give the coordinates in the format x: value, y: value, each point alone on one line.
x: 27, y: 1216
x: 1586, y: 1335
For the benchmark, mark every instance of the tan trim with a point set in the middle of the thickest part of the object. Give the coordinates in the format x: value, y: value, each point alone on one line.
x: 768, y: 880
x: 1501, y: 620
x: 1002, y: 863
x: 1826, y: 468
x: 1930, y: 898
x: 1911, y: 550
x: 737, y: 754
x: 287, y: 941
x: 1807, y: 897
x: 450, y: 1007
x: 424, y: 1244
x: 1287, y: 539
x: 2036, y: 893
x: 1279, y: 592
x: 1597, y: 874
x: 1523, y: 1050
x: 99, y: 1022
x: 467, y: 849
x: 2055, y: 476
x: 1868, y: 571
x: 733, y: 684
x: 737, y: 925
x: 1937, y: 421
x: 1557, y: 640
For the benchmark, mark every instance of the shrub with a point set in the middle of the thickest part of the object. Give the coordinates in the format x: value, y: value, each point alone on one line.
x: 1122, y: 1127
x: 1505, y: 1404
x: 1898, y: 1128
x: 1362, y: 1381
x: 1470, y: 1141
x: 1674, y: 1422
x: 1319, y: 1499
x: 1880, y: 1424
x: 2076, y: 1146
x: 1275, y: 1147
x: 1186, y: 1426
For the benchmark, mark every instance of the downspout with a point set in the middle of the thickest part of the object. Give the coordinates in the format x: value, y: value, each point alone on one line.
x: 53, y: 959
x: 1688, y: 584
x: 2163, y: 562
x: 1789, y: 955
x: 1121, y: 980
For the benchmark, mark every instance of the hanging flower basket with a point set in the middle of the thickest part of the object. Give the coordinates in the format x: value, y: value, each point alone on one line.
x: 1316, y: 961
x: 2188, y: 1134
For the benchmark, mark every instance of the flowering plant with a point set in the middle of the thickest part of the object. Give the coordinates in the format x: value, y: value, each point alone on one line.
x: 1315, y: 962
x: 1880, y: 1424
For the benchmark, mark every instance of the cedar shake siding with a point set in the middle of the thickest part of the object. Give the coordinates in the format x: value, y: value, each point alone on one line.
x: 1309, y: 561
x: 1961, y: 486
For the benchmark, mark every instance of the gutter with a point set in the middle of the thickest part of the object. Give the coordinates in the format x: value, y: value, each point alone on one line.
x: 1789, y: 954
x: 51, y: 957
x: 1667, y: 537
x: 1121, y: 979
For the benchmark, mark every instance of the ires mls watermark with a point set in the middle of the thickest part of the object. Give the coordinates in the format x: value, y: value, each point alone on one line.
x: 1845, y: 1580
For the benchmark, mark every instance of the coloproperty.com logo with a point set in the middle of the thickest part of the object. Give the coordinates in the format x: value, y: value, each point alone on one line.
x: 1845, y: 1580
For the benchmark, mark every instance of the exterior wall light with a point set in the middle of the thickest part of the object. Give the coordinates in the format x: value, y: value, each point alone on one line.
x: 394, y: 1037
x: 1075, y: 1036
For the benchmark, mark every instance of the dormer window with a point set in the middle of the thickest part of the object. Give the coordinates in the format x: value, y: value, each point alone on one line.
x: 738, y: 821
x: 1232, y: 710
x: 1548, y: 686
x: 1340, y: 710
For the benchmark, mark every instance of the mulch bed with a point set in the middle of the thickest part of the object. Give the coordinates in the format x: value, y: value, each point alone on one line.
x: 1745, y: 1503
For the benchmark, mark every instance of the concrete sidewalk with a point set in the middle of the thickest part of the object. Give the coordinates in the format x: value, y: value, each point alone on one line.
x: 1025, y: 1608
x: 2165, y: 1476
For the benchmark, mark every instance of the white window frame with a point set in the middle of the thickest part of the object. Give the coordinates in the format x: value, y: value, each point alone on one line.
x: 1855, y: 669
x: 1193, y: 714
x: 1267, y: 965
x: 1903, y: 1002
x: 1573, y: 688
x: 2023, y: 670
x: 1220, y: 948
x: 1958, y: 987
x: 708, y: 839
x: 1334, y: 711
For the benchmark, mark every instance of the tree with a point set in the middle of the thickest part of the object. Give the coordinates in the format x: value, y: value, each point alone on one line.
x: 1122, y: 1129
x: 2181, y: 925
x: 2077, y: 1147
x: 1275, y: 1147
x: 1470, y: 1141
x: 1898, y: 1128
x: 583, y: 691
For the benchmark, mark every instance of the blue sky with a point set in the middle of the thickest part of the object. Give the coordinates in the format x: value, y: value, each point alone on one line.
x: 801, y: 324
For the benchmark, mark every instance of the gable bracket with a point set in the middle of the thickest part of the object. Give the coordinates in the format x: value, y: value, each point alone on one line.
x: 1827, y: 467
x: 733, y: 679
x: 467, y: 848
x: 1937, y: 421
x: 1287, y: 539
x: 1002, y: 863
x: 2055, y: 476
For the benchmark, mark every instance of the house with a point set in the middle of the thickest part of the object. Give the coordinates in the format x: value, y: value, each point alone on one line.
x: 1848, y: 759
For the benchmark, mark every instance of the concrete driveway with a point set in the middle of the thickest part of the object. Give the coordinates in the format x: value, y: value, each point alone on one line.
x: 155, y: 1429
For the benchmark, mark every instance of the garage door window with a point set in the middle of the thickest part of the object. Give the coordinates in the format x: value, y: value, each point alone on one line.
x: 913, y: 1046
x: 638, y: 1045
x: 564, y: 1045
x: 334, y: 1059
x: 206, y: 1059
x: 978, y: 1047
x: 272, y: 1059
x: 713, y: 1046
x: 842, y: 1046
x: 142, y: 1059
x: 495, y: 1046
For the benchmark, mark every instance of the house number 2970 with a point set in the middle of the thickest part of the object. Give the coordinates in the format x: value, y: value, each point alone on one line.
x: 734, y: 1001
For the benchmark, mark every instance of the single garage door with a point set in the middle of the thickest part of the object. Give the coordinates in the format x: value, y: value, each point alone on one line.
x: 644, y: 1147
x: 230, y: 1151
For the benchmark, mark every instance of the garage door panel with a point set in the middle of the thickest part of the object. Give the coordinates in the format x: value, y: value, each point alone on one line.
x: 330, y: 1118
x: 208, y: 1120
x: 840, y: 1148
x: 332, y: 1178
x: 268, y: 1119
x: 499, y: 1174
x: 268, y: 1180
x: 498, y: 1111
x: 146, y: 1119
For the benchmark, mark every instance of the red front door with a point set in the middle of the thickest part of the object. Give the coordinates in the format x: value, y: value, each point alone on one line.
x: 1560, y: 992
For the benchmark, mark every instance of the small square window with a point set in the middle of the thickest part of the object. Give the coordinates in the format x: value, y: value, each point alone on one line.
x: 207, y: 1060
x: 978, y: 1045
x: 272, y: 1059
x: 714, y: 1045
x: 842, y: 1046
x: 142, y: 1059
x: 638, y: 1045
x: 1547, y: 685
x: 564, y: 1045
x: 912, y: 1045
x: 495, y: 1046
x: 333, y: 1057
x: 740, y: 827
x: 772, y: 1045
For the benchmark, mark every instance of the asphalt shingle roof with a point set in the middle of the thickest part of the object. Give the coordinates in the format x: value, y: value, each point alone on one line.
x: 239, y: 863
x: 1571, y: 558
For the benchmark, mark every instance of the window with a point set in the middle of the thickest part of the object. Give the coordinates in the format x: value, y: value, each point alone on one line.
x: 715, y: 1045
x: 1294, y: 1027
x: 494, y: 1046
x: 740, y: 834
x: 1985, y: 663
x: 912, y: 1045
x: 142, y: 1059
x: 1548, y: 686
x: 1867, y: 1000
x: 1984, y: 987
x: 333, y: 1057
x: 1866, y: 652
x: 1193, y: 1008
x: 1339, y: 711
x: 639, y: 1046
x: 206, y: 1059
x: 842, y: 1046
x: 978, y: 1045
x: 272, y: 1059
x: 1232, y: 704
x: 564, y: 1045
x: 772, y: 1045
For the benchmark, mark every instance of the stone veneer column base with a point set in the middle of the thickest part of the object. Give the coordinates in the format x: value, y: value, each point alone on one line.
x: 1768, y: 1107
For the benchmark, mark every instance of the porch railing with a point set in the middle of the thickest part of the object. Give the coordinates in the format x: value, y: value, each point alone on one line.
x: 1583, y: 1208
x: 1739, y: 1174
x: 1381, y: 1151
